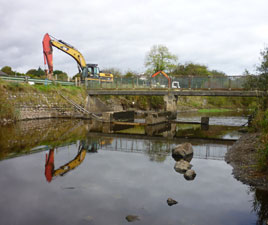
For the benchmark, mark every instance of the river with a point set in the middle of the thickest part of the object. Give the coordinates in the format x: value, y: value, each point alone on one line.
x: 70, y: 172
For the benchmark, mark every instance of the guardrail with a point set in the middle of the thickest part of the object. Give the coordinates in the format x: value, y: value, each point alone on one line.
x: 36, y: 81
x: 183, y: 82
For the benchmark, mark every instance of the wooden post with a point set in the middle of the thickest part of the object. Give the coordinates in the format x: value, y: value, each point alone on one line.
x: 209, y: 83
x: 189, y: 82
x: 205, y: 120
x: 133, y: 86
x: 76, y: 81
x: 229, y: 85
x: 204, y: 123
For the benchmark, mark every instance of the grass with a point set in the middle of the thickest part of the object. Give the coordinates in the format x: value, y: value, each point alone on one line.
x: 213, y: 110
x: 13, y: 95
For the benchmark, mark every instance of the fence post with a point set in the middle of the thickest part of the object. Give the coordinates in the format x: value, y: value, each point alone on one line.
x: 189, y: 82
x: 230, y: 82
x: 133, y: 86
x: 209, y: 82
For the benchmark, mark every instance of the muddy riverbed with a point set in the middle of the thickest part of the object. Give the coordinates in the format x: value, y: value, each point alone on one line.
x: 78, y: 175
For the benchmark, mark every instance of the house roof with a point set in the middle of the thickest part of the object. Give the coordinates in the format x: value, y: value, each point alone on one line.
x: 2, y: 73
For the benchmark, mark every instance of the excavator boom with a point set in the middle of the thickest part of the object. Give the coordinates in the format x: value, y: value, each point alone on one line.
x: 49, y: 42
x: 48, y: 52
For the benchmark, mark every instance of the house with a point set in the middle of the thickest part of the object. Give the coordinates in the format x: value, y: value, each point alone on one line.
x: 2, y: 73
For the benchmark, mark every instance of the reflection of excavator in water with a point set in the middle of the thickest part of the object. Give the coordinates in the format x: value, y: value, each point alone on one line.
x: 88, y: 71
x: 50, y: 171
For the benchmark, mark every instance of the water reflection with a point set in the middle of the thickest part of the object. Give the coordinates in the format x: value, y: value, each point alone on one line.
x: 136, y: 178
x: 84, y: 147
x: 260, y: 205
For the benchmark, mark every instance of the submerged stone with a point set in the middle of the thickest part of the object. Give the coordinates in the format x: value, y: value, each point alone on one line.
x: 132, y: 218
x: 182, y: 151
x: 182, y: 166
x: 190, y: 175
x: 171, y: 202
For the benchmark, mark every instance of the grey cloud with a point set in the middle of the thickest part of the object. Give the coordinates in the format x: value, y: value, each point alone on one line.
x: 224, y: 35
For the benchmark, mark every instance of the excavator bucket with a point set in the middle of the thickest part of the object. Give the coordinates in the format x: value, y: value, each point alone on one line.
x: 47, y: 50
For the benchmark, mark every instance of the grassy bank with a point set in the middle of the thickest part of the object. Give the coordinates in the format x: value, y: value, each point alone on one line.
x: 14, y: 95
x: 260, y: 124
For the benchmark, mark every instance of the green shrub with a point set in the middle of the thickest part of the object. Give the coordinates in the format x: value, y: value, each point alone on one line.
x: 263, y: 158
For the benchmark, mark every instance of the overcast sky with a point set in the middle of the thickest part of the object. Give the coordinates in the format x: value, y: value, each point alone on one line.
x: 226, y: 35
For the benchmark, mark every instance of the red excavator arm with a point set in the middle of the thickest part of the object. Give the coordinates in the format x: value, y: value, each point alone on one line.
x: 47, y: 50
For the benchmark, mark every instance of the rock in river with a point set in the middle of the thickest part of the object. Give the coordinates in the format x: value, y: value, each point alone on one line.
x: 171, y: 201
x: 182, y: 151
x: 190, y: 175
x: 182, y: 166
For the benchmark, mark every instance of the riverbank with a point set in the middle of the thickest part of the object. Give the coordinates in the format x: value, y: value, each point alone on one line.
x: 24, y: 102
x: 243, y: 157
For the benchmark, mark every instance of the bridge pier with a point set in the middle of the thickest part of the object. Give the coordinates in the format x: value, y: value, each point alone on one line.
x: 94, y: 105
x: 171, y: 102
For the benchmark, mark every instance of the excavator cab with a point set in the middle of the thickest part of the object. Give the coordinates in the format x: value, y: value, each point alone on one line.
x: 93, y: 70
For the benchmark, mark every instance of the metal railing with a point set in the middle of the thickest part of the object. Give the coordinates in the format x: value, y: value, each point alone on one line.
x: 184, y: 82
x: 26, y: 79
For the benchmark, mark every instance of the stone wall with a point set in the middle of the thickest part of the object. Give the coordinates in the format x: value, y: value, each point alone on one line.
x: 42, y: 105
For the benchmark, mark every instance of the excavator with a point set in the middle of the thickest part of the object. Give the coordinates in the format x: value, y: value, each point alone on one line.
x: 51, y: 172
x: 87, y: 71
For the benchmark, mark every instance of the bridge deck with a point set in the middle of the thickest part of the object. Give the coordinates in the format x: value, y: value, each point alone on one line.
x: 162, y: 92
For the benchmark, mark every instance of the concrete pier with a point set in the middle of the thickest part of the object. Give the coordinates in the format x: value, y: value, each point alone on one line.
x: 122, y: 116
x: 160, y: 117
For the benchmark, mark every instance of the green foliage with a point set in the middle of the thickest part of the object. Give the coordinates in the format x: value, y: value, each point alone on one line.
x: 263, y: 158
x: 213, y: 110
x: 260, y: 81
x: 8, y: 70
x: 159, y: 58
x: 130, y: 74
x: 195, y: 70
x: 142, y: 102
x: 36, y: 73
x: 157, y: 102
x: 115, y: 71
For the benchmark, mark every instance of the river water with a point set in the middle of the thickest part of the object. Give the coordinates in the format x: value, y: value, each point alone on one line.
x: 68, y: 172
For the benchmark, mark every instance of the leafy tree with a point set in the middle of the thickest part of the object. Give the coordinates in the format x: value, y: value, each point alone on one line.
x: 8, y: 70
x: 115, y: 71
x: 159, y: 58
x: 259, y: 82
x: 130, y: 74
x: 36, y: 73
x: 195, y: 70
x: 60, y: 75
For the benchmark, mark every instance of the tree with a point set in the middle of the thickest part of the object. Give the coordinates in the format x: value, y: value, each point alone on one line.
x: 8, y: 70
x: 260, y: 81
x: 159, y: 58
x: 195, y: 70
x: 60, y: 75
x: 115, y: 71
x: 39, y: 73
x: 130, y: 74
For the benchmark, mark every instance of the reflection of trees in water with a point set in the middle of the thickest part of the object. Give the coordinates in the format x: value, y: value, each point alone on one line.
x: 260, y: 205
x: 157, y: 150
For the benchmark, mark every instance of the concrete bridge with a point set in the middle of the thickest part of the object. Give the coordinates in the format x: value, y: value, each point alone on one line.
x: 234, y: 86
x: 163, y: 92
